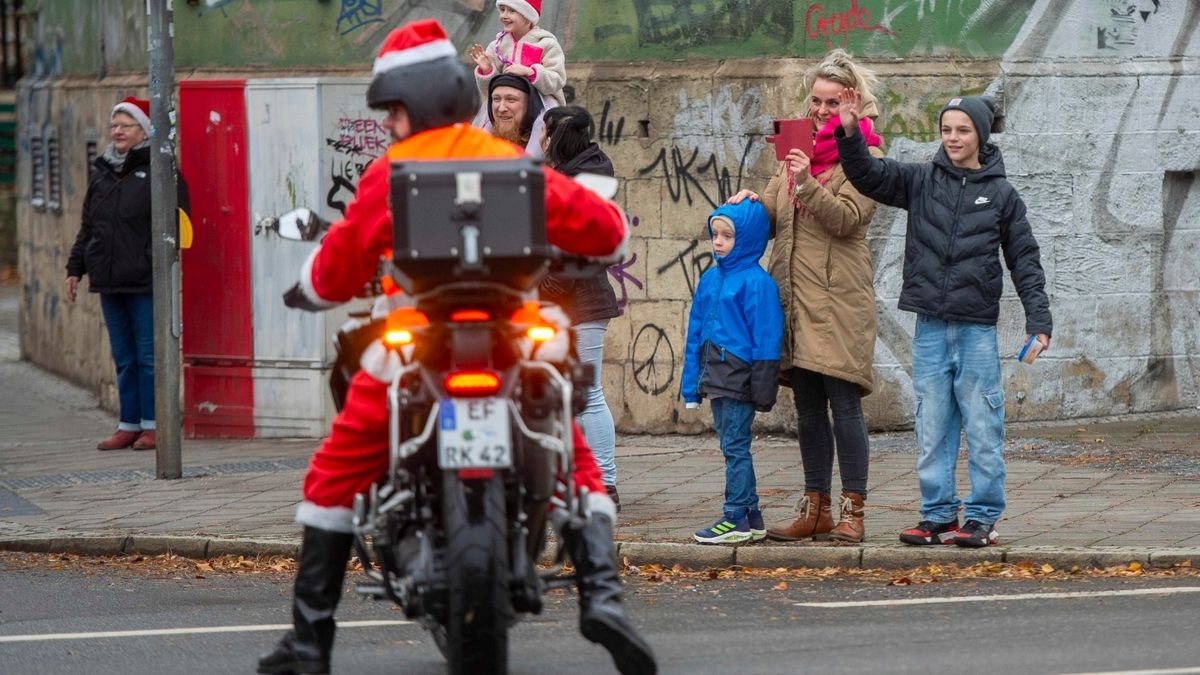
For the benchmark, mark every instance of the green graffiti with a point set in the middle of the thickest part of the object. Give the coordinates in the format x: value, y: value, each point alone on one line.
x: 915, y: 116
x: 655, y: 29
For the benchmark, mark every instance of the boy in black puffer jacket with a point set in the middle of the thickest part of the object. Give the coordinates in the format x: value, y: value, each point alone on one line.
x: 962, y: 213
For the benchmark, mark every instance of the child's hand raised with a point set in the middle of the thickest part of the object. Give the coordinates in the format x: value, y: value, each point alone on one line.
x: 479, y: 56
x: 849, y: 109
x: 518, y: 70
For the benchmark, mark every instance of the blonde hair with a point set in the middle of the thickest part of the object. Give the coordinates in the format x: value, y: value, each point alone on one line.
x: 838, y: 66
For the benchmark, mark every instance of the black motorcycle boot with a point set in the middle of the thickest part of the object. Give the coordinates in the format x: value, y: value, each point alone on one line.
x: 601, y: 618
x: 305, y: 650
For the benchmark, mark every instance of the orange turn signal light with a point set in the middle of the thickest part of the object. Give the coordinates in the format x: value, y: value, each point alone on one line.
x: 541, y: 333
x: 398, y: 337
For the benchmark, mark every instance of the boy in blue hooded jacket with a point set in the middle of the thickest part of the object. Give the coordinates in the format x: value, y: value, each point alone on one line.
x: 732, y: 356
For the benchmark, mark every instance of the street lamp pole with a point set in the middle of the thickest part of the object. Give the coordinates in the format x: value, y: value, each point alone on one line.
x: 164, y: 230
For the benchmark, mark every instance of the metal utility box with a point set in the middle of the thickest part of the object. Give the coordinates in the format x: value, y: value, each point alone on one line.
x: 468, y: 219
x: 310, y: 140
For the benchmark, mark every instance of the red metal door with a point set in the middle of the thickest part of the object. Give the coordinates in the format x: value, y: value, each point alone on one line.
x: 218, y: 342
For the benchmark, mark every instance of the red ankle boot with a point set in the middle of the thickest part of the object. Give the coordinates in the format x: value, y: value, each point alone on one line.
x: 119, y: 440
x: 146, y: 441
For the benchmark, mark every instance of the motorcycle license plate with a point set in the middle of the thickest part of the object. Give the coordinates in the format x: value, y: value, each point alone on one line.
x: 474, y: 433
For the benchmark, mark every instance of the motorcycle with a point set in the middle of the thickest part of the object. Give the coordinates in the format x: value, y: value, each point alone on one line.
x: 481, y: 401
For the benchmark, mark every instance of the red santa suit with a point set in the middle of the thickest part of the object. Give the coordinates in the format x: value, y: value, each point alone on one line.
x: 355, y: 454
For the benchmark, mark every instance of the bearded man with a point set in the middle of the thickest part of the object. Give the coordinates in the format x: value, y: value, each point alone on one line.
x: 514, y: 113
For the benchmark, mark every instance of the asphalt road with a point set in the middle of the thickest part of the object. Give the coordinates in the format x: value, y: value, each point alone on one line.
x: 718, y: 626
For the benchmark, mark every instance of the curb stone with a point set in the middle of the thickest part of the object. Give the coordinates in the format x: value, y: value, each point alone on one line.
x: 251, y: 548
x: 688, y: 556
x: 1065, y: 558
x: 798, y: 555
x: 894, y: 557
x: 1175, y: 556
x: 187, y: 547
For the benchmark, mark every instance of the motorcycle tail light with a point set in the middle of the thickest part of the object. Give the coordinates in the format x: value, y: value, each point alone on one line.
x: 470, y: 315
x: 472, y: 383
x: 541, y: 333
x: 467, y: 474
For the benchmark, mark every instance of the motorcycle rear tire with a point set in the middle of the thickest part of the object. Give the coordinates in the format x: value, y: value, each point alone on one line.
x: 477, y: 571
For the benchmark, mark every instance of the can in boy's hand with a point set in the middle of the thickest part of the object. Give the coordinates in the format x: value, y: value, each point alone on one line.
x: 1030, y: 350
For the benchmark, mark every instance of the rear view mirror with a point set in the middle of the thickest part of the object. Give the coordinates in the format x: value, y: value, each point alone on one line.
x: 302, y: 224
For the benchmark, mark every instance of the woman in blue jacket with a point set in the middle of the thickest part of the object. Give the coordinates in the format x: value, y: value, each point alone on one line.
x: 962, y: 213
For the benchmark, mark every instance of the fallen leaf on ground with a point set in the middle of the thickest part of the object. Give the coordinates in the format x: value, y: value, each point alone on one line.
x: 781, y: 586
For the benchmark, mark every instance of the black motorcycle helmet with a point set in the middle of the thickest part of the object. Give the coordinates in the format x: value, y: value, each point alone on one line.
x: 418, y: 67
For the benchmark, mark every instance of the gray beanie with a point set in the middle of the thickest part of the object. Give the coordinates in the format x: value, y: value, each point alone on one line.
x: 981, y: 110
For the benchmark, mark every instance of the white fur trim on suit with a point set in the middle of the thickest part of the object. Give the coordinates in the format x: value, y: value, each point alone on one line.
x: 134, y: 112
x: 600, y: 502
x: 332, y: 518
x: 306, y: 284
x: 380, y: 362
x: 419, y: 54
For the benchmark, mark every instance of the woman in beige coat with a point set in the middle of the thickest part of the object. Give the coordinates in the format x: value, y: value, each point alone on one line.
x: 822, y: 265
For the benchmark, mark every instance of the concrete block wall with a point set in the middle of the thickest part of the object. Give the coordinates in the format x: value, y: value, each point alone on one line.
x: 1101, y: 136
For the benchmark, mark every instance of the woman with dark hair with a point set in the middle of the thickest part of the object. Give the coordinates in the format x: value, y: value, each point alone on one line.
x: 568, y: 148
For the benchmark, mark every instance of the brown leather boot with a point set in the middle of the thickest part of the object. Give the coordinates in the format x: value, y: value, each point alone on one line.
x: 814, y: 520
x: 850, y: 521
x: 119, y: 440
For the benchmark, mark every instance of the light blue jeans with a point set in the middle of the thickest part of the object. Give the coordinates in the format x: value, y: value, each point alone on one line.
x: 596, y: 420
x: 956, y: 376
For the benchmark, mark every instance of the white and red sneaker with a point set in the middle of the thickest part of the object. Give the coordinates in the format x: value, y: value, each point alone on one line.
x: 929, y: 533
x: 975, y: 534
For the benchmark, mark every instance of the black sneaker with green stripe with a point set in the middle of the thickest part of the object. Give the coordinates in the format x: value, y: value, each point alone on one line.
x: 725, y: 531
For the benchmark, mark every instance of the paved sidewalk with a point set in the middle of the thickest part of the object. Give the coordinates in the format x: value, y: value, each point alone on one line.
x: 58, y: 493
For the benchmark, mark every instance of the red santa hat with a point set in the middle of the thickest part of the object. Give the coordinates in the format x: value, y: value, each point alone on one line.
x: 415, y: 42
x: 530, y: 9
x: 137, y: 108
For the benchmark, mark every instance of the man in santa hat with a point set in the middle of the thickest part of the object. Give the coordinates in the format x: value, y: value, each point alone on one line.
x: 428, y: 96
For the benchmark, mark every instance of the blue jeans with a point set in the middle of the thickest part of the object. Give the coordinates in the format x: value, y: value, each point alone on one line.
x: 130, y: 321
x: 956, y: 375
x: 732, y: 419
x: 596, y: 420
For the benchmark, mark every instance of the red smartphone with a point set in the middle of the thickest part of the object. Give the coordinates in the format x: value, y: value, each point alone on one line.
x: 790, y: 134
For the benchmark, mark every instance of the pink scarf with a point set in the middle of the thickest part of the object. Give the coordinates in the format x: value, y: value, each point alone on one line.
x: 825, y: 154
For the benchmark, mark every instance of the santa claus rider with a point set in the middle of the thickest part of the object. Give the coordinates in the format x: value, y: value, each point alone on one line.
x: 429, y: 96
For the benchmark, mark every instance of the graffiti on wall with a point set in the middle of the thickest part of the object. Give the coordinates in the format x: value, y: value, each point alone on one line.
x: 1121, y: 21
x: 355, y: 14
x: 710, y: 134
x: 647, y: 29
x: 355, y: 142
x: 652, y: 360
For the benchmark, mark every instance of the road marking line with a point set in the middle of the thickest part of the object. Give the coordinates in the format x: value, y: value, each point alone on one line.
x: 995, y: 598
x: 1164, y: 671
x: 185, y: 631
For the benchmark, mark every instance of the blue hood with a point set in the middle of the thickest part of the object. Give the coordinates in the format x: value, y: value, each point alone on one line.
x: 751, y: 229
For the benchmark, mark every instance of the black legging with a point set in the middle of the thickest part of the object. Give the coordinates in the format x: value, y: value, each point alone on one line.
x: 815, y: 394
